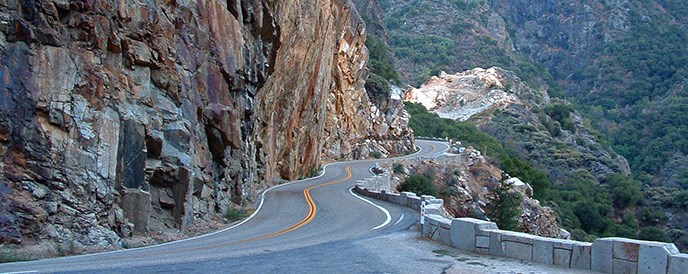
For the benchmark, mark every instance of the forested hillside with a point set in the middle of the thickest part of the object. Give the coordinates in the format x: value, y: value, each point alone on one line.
x: 621, y: 64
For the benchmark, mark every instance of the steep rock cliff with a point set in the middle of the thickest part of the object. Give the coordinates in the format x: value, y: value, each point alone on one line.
x: 130, y: 116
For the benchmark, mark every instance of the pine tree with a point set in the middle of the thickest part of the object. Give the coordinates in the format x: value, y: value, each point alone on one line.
x: 503, y: 209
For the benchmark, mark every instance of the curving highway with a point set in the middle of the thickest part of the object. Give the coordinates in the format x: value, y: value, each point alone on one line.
x: 303, y: 226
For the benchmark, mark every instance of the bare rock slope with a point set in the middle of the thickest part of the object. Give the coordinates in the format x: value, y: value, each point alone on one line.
x: 134, y: 116
x: 526, y: 119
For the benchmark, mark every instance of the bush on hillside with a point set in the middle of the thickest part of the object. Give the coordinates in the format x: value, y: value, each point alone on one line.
x: 418, y: 184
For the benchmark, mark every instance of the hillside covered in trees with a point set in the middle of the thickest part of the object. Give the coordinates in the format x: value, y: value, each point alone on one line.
x: 621, y: 65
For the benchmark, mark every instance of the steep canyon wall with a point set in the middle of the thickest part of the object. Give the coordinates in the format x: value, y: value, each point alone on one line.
x: 126, y: 116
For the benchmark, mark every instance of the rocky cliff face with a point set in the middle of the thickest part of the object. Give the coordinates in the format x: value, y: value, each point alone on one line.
x: 130, y: 116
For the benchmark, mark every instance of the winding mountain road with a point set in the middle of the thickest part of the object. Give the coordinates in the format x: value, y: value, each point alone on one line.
x: 301, y: 226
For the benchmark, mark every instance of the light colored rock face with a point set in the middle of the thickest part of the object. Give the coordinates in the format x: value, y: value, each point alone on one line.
x: 200, y: 104
x: 463, y: 95
x: 354, y: 125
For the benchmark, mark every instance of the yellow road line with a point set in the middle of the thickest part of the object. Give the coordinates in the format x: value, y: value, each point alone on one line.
x: 312, y: 211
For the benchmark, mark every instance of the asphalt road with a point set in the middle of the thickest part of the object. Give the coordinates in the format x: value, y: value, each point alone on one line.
x: 314, y: 225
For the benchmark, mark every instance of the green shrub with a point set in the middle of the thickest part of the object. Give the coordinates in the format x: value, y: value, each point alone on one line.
x: 590, y: 218
x: 315, y: 172
x: 398, y: 168
x: 617, y: 230
x: 375, y: 154
x: 431, y: 172
x: 653, y: 234
x: 625, y: 191
x: 235, y: 214
x: 562, y: 114
x: 378, y: 88
x: 654, y: 216
x: 380, y: 61
x: 418, y: 184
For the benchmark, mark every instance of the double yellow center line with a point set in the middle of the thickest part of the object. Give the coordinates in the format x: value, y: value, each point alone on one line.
x: 312, y: 211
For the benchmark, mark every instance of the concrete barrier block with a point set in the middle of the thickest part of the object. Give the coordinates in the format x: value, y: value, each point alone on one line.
x: 438, y: 220
x: 482, y: 242
x: 496, y: 246
x: 581, y: 256
x: 543, y: 251
x: 487, y: 232
x: 517, y: 250
x: 564, y: 244
x: 562, y: 257
x: 626, y: 267
x: 435, y: 202
x: 463, y: 233
x: 678, y: 264
x: 443, y: 235
x: 602, y: 254
x: 484, y: 227
x: 408, y: 194
x: 413, y: 202
x: 626, y: 250
x: 395, y: 199
x: 464, y: 230
x: 518, y: 237
x: 426, y: 197
x: 436, y: 209
x: 653, y: 257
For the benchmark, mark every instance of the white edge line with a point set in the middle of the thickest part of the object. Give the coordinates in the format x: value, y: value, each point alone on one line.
x: 260, y: 205
x: 21, y: 272
x: 262, y: 199
x: 400, y: 218
x: 389, y: 218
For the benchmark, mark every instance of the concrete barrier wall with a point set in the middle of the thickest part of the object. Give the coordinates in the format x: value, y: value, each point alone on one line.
x: 606, y: 255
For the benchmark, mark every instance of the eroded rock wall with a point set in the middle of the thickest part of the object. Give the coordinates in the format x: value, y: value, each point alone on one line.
x: 130, y: 116
x: 357, y: 125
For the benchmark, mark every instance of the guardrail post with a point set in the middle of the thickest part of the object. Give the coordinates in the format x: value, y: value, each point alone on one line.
x: 422, y: 217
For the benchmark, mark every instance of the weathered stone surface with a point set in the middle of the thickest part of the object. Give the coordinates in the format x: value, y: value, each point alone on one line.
x: 496, y: 244
x: 518, y: 250
x: 562, y: 257
x: 625, y: 267
x: 463, y: 230
x: 136, y: 204
x: 543, y: 251
x: 133, y: 160
x: 463, y: 95
x: 602, y: 255
x: 626, y: 251
x: 153, y: 95
x: 581, y: 256
x: 518, y: 237
x: 678, y: 263
x: 481, y: 241
x: 654, y: 257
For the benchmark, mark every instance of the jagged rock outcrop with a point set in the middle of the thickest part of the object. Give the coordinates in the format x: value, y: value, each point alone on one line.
x: 463, y: 95
x: 508, y: 109
x: 129, y: 116
x: 466, y: 181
